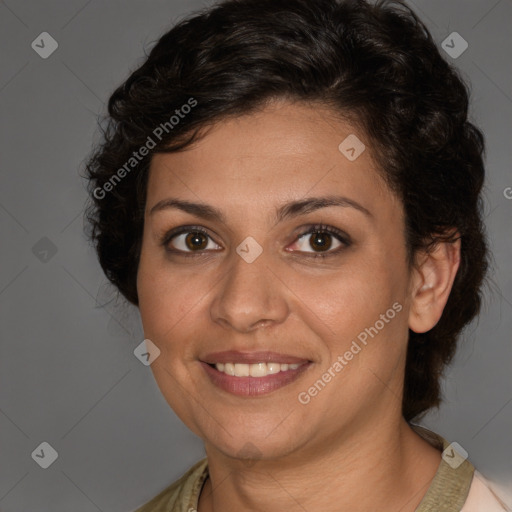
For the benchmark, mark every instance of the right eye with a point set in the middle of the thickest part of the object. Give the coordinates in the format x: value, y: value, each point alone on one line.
x: 189, y: 239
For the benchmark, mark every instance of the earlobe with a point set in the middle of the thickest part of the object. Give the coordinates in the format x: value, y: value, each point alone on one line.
x: 432, y: 282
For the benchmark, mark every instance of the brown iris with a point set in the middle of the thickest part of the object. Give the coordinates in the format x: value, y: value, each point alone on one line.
x: 196, y: 240
x: 320, y: 241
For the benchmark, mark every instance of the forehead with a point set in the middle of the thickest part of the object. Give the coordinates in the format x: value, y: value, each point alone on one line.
x: 282, y: 152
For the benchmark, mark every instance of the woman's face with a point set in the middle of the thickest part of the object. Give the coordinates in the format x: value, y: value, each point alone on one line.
x: 250, y: 290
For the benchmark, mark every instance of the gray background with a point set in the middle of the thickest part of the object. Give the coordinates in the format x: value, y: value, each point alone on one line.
x: 67, y: 369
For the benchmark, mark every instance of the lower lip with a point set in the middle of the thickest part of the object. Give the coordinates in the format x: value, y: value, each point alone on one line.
x: 253, y: 386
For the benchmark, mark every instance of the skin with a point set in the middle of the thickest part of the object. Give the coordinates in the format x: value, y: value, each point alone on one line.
x: 351, y: 437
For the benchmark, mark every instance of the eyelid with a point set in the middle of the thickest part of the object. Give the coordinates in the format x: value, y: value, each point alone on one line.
x: 169, y: 235
x: 324, y: 228
x: 341, y: 236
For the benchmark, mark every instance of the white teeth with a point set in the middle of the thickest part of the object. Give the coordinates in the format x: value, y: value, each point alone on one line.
x: 229, y: 368
x: 254, y: 370
x: 273, y: 368
x: 241, y: 370
x: 258, y: 370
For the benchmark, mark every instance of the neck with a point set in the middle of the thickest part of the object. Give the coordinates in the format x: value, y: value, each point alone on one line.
x: 385, y: 469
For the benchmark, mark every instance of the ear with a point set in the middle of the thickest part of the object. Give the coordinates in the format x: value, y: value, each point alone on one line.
x: 432, y: 282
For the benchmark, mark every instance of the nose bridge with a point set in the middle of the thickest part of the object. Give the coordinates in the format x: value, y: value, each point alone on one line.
x: 248, y: 295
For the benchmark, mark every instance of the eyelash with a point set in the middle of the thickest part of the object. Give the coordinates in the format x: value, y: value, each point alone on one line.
x: 317, y: 228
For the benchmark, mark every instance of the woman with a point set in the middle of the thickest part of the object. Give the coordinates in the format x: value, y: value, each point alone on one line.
x: 289, y: 190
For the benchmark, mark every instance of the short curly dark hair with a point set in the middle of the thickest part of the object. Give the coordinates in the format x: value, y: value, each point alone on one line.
x: 375, y: 64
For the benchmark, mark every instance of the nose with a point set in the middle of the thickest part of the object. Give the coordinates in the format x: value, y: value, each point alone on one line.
x: 249, y: 296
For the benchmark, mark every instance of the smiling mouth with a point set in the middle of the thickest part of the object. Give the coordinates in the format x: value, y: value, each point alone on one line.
x: 253, y: 379
x: 261, y: 369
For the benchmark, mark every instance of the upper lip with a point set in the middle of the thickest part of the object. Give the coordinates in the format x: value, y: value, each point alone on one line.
x: 235, y: 356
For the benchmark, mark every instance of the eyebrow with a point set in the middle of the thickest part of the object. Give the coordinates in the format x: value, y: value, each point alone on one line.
x: 288, y: 210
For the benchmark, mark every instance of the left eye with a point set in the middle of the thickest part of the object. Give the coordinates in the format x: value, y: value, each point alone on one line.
x: 320, y: 240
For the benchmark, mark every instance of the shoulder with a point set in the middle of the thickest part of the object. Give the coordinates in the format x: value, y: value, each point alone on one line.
x: 182, y: 494
x: 481, y: 497
x: 457, y: 486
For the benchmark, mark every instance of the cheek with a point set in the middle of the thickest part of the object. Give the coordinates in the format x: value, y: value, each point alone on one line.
x: 160, y: 304
x: 362, y: 304
x: 163, y: 301
x: 172, y: 305
x: 364, y: 313
x: 353, y: 296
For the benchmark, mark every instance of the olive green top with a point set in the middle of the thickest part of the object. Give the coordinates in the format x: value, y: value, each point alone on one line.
x: 447, y: 492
